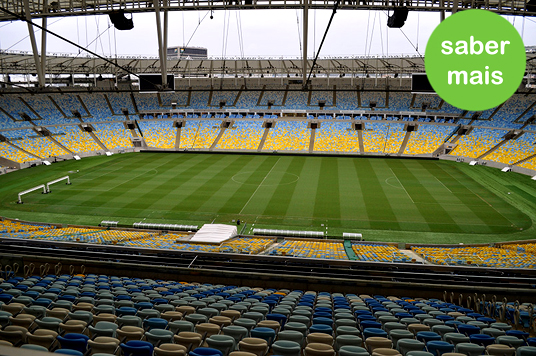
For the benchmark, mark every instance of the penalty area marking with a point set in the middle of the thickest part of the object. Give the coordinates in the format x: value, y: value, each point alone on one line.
x: 260, y: 185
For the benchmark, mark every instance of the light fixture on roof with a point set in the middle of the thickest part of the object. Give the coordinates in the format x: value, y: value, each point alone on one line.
x: 398, y: 18
x: 120, y: 21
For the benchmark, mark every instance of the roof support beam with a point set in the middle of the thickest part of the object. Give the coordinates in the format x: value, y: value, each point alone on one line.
x: 305, y: 36
x: 162, y: 50
x: 43, y: 48
x: 38, y: 65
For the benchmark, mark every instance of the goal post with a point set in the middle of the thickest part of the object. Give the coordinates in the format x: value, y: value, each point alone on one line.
x: 57, y: 181
x: 31, y: 190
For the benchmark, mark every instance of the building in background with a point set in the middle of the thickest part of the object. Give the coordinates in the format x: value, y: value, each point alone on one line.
x: 186, y: 52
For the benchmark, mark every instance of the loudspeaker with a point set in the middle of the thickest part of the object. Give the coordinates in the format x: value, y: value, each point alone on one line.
x: 398, y: 18
x: 120, y: 21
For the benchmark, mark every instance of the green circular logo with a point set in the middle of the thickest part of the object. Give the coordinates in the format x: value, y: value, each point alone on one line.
x: 475, y: 60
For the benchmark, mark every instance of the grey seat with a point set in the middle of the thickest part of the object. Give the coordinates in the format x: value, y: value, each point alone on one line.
x: 470, y: 349
x: 177, y: 326
x: 399, y: 334
x: 455, y: 338
x: 350, y: 350
x: 526, y: 351
x: 291, y: 335
x: 286, y: 348
x: 343, y: 340
x: 407, y: 345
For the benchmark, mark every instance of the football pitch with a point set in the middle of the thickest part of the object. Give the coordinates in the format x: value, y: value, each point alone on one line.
x: 386, y: 199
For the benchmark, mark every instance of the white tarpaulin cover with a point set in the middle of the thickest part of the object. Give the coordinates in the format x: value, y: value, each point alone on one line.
x: 214, y: 233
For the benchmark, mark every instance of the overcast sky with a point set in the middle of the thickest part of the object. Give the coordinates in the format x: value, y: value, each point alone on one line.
x: 252, y: 33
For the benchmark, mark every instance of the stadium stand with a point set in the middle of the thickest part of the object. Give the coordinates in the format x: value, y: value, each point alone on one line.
x: 311, y: 249
x: 246, y: 245
x: 14, y: 154
x: 67, y: 103
x: 336, y: 137
x: 74, y: 139
x: 244, y: 135
x: 478, y: 256
x: 160, y: 134
x: 529, y: 164
x: 288, y: 136
x: 120, y: 101
x: 206, y: 133
x: 394, y: 138
x: 427, y: 139
x: 229, y: 97
x: 41, y: 146
x: 374, y: 137
x: 88, y: 313
x: 376, y: 252
x: 99, y: 109
x: 514, y: 150
x: 113, y: 135
x: 478, y: 142
x: 13, y: 106
x: 49, y: 114
x: 520, y: 247
x: 296, y: 100
x: 368, y: 97
x: 13, y: 226
x: 272, y: 95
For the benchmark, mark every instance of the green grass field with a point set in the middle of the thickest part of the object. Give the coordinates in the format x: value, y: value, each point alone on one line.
x: 402, y: 200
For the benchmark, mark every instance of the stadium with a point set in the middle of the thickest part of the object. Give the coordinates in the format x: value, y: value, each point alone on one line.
x: 193, y: 205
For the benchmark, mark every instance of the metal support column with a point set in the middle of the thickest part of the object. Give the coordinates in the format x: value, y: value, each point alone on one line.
x: 38, y: 66
x: 305, y: 36
x: 164, y: 49
x: 44, y: 48
x: 161, y: 49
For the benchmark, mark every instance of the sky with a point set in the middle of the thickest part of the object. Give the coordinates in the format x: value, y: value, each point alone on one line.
x: 246, y: 33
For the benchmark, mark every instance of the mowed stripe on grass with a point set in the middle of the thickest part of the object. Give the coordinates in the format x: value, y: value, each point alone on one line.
x: 302, y: 191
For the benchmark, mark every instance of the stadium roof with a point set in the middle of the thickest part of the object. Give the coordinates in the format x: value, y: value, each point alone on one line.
x: 14, y: 62
x: 93, y: 7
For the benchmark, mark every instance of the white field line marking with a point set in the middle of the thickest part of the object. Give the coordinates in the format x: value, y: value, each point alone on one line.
x: 443, y: 184
x: 267, y: 174
x: 402, y: 185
